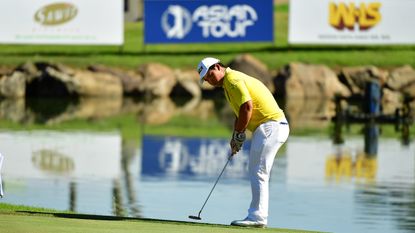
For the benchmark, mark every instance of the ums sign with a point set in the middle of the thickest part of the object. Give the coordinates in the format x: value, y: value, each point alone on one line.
x: 361, y: 22
x: 56, y: 14
x: 347, y: 15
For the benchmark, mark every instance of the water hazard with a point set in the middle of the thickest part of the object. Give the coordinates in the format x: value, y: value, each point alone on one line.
x: 366, y: 183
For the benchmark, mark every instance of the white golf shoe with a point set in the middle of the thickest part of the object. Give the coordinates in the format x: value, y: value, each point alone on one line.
x: 248, y: 223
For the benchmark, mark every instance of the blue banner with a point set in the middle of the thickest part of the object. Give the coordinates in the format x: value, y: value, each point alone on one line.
x: 185, y: 21
x: 187, y: 157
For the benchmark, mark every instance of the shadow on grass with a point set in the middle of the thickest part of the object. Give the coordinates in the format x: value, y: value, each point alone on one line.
x: 112, y: 218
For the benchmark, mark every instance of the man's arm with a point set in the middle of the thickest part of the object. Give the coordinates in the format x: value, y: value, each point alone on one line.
x: 245, y: 113
x: 241, y: 122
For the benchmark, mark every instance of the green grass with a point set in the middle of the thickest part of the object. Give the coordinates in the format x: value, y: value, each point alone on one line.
x: 16, y: 219
x: 274, y: 55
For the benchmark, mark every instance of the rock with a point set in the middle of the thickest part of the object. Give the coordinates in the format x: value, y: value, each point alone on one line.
x: 198, y: 109
x: 31, y: 70
x: 13, y: 109
x: 206, y: 87
x: 159, y: 79
x: 55, y: 80
x: 309, y: 112
x: 391, y: 100
x: 158, y: 111
x: 355, y: 78
x: 13, y: 86
x: 402, y: 79
x: 187, y: 84
x: 409, y: 90
x: 5, y: 70
x: 89, y: 108
x: 298, y: 80
x: 132, y: 105
x: 412, y: 106
x: 93, y: 84
x: 131, y: 81
x: 251, y: 66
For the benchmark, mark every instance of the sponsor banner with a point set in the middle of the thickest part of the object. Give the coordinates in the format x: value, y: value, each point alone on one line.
x: 62, y: 22
x: 176, y: 21
x: 176, y: 156
x: 352, y: 22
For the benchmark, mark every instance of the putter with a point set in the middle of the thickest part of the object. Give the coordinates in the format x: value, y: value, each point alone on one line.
x: 198, y: 216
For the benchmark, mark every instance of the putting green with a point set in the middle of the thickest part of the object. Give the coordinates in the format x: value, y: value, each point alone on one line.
x: 19, y: 220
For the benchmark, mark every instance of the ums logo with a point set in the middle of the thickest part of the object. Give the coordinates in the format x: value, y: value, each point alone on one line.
x: 55, y: 14
x: 343, y: 15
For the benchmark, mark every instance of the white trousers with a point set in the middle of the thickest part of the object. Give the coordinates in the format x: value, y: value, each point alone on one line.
x: 1, y: 184
x: 266, y: 141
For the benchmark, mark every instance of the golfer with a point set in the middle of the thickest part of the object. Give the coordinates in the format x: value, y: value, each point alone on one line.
x: 256, y: 110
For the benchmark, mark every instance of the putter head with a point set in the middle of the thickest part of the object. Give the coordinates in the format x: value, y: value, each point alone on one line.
x: 195, y: 217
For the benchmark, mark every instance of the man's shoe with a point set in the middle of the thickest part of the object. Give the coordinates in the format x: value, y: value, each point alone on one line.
x: 247, y: 223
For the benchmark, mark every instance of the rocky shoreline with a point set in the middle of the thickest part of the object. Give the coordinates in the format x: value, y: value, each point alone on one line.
x: 296, y: 83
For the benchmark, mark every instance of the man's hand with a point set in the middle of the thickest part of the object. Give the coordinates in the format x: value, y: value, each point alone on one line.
x: 237, y: 141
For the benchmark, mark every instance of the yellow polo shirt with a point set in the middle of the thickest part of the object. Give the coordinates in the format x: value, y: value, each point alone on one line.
x: 240, y: 88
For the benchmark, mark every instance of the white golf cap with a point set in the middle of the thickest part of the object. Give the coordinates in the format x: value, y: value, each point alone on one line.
x: 204, y: 66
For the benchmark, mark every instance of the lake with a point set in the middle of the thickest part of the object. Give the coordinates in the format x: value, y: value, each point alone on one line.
x: 362, y: 183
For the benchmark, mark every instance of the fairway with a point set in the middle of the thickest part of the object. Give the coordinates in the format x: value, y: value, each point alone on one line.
x: 43, y: 222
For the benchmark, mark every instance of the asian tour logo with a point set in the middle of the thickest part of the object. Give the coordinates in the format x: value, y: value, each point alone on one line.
x: 365, y: 16
x: 215, y: 21
x: 182, y: 22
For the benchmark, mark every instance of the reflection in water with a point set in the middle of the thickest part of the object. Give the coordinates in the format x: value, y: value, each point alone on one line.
x: 117, y: 208
x: 72, y: 196
x: 396, y: 199
x: 343, y: 165
x: 394, y: 193
x: 175, y: 156
x: 366, y: 181
x: 52, y: 161
x: 128, y: 152
x: 361, y: 164
x: 40, y: 112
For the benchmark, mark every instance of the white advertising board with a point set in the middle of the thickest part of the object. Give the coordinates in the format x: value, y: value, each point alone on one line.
x: 62, y: 22
x: 352, y: 22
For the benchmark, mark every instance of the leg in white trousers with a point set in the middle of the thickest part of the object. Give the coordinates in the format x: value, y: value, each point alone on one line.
x: 1, y: 184
x: 266, y: 141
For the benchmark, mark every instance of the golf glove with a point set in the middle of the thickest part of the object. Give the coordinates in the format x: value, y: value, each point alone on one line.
x: 237, y: 141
